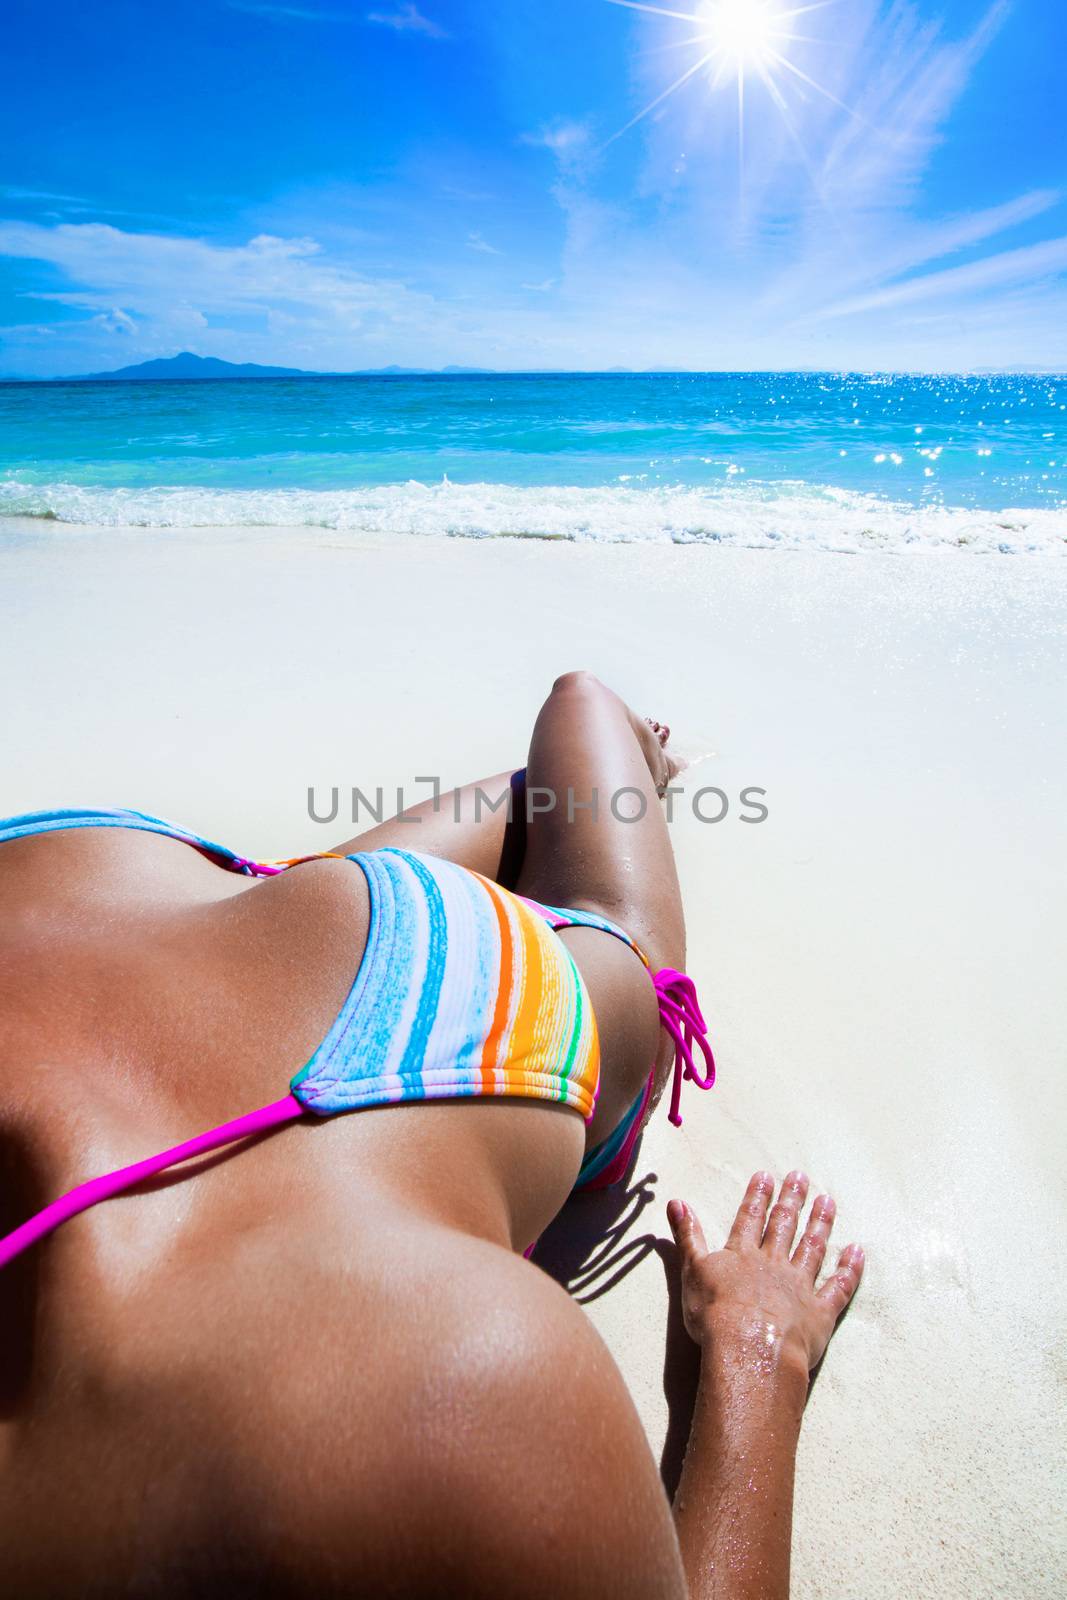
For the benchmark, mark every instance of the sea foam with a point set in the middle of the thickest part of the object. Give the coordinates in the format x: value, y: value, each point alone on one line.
x: 780, y: 516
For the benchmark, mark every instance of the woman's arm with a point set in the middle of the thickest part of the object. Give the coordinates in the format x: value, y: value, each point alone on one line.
x: 762, y: 1325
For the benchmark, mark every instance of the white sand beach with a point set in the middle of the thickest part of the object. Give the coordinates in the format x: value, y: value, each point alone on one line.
x: 881, y: 961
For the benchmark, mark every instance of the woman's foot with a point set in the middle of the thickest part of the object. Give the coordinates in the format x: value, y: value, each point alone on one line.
x: 663, y: 764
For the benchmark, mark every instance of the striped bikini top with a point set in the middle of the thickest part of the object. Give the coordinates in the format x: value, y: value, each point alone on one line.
x: 462, y: 990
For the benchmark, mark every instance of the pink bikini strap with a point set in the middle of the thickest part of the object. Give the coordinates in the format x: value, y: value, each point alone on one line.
x: 255, y: 869
x: 679, y: 1012
x: 97, y: 1189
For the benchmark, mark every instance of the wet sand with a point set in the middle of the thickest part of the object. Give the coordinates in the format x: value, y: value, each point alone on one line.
x: 881, y: 961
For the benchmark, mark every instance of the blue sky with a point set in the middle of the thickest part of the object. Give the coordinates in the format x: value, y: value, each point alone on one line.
x: 334, y: 185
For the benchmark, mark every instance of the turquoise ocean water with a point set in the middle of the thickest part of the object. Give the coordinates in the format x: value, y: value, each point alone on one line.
x: 767, y: 460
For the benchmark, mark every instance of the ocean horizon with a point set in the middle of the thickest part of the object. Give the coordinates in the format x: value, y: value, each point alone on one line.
x: 841, y: 462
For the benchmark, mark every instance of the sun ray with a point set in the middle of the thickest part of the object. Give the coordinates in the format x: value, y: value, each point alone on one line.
x: 740, y: 39
x: 674, y: 44
x: 720, y: 73
x: 741, y: 136
x: 776, y: 94
x: 791, y: 66
x: 658, y: 101
x: 823, y: 198
x: 657, y: 11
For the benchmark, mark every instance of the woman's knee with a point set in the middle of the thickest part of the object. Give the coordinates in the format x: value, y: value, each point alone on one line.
x: 587, y: 696
x: 579, y: 682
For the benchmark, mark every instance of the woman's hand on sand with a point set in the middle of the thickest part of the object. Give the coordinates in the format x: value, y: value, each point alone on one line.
x: 759, y: 1294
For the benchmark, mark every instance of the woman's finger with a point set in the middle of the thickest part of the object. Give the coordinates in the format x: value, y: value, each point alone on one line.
x: 785, y: 1214
x: 810, y: 1251
x: 839, y: 1288
x: 688, y: 1234
x: 751, y: 1218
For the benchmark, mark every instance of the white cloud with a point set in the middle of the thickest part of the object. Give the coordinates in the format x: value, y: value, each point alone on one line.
x: 266, y: 8
x: 172, y: 286
x: 115, y: 321
x: 476, y: 242
x: 143, y: 270
x: 711, y: 267
x: 1032, y: 263
x: 904, y: 80
x: 10, y: 191
x: 407, y: 18
x: 16, y: 332
x: 895, y: 250
x: 544, y: 287
x: 570, y: 142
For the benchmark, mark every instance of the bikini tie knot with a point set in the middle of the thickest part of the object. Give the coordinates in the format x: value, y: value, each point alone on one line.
x: 255, y: 869
x: 680, y: 1014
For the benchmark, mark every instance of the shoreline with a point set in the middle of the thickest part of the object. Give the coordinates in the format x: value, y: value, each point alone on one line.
x: 736, y: 513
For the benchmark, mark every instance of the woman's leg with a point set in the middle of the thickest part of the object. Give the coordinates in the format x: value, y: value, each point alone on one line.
x: 480, y: 826
x: 615, y: 859
x: 597, y: 840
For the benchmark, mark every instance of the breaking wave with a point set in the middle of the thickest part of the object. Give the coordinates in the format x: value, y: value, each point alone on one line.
x: 794, y: 516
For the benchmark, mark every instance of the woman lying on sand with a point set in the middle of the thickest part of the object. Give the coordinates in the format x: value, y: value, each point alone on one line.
x: 315, y: 1362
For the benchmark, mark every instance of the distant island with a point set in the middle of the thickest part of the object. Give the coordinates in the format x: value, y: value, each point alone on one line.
x: 190, y: 368
x: 186, y: 366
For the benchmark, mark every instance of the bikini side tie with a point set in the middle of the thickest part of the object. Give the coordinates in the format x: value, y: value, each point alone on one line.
x: 680, y: 1014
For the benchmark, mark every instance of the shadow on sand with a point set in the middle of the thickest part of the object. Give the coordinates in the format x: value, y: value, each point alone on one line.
x: 590, y: 1248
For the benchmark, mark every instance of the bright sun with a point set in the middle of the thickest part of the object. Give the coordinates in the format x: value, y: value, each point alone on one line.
x: 747, y: 31
x: 735, y: 40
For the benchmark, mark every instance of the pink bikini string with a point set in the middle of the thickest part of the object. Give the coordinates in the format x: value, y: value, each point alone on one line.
x: 254, y: 869
x: 680, y: 1014
x: 87, y: 1194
